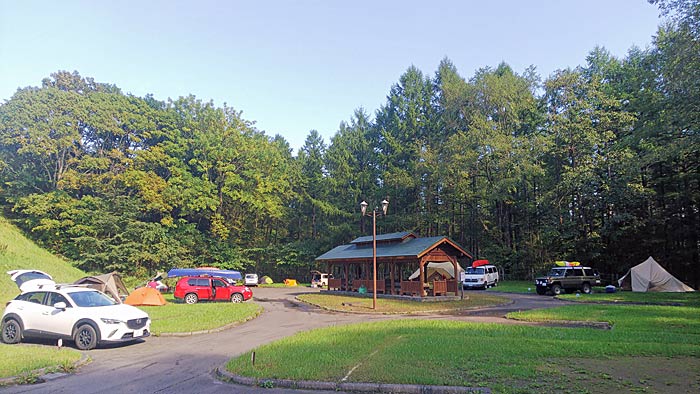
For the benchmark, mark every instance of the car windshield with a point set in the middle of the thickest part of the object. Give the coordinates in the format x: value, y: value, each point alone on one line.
x: 556, y: 272
x: 87, y: 299
x: 251, y: 276
x: 475, y: 271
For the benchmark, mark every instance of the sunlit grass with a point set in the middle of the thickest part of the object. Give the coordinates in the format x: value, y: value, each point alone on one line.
x: 471, y: 354
x: 387, y: 305
x: 686, y: 299
x: 178, y: 317
x: 18, y: 360
x: 513, y: 286
x: 18, y: 252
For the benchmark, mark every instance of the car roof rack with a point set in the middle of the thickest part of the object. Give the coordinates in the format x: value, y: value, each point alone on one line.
x: 59, y: 286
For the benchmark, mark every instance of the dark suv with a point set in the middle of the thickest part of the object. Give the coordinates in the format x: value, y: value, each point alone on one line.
x: 192, y: 289
x: 568, y: 279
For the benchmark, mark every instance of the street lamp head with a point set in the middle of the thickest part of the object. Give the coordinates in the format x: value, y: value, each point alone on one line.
x: 385, y: 205
x: 363, y: 207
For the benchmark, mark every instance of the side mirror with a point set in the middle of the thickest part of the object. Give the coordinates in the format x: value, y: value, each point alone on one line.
x: 60, y: 305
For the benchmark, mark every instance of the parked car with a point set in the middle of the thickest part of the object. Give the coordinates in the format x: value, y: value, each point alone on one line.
x: 84, y: 315
x: 193, y: 289
x: 568, y: 279
x: 480, y: 277
x: 250, y: 280
x: 320, y: 279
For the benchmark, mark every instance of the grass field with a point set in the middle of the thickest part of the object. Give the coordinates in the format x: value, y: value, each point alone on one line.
x: 506, y: 358
x: 184, y: 318
x: 385, y: 305
x: 513, y: 286
x: 679, y: 299
x: 22, y: 360
x: 18, y: 252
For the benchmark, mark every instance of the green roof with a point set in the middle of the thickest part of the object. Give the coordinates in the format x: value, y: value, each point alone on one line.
x: 409, y: 247
x: 384, y: 237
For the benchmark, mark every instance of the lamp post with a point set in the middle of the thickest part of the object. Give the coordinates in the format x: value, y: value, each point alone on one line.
x: 363, y: 207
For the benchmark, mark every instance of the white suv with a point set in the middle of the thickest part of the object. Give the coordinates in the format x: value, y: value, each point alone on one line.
x: 87, y: 316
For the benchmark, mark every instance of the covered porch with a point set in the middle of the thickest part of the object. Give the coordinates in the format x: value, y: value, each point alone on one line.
x: 407, y: 266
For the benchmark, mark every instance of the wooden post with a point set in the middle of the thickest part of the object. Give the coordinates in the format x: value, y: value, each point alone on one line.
x: 422, y: 277
x: 347, y: 277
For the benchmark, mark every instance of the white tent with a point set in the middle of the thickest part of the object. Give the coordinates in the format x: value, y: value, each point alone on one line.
x: 650, y: 276
x: 446, y: 269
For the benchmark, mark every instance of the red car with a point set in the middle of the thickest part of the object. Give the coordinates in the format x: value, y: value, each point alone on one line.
x: 192, y: 289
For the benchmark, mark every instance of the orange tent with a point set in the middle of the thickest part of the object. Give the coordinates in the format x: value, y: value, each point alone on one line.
x: 145, y: 296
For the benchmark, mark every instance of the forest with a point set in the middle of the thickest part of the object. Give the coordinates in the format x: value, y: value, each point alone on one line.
x: 598, y: 164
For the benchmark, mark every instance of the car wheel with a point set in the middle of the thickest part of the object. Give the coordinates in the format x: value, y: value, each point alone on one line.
x: 586, y: 288
x: 237, y: 298
x: 11, y: 331
x: 541, y: 291
x: 191, y: 298
x: 85, y: 337
x: 556, y: 290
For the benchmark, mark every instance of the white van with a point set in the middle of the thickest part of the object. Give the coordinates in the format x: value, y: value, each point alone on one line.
x: 319, y: 279
x: 481, y: 277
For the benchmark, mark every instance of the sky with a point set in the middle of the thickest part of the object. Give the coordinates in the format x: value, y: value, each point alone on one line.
x: 300, y: 65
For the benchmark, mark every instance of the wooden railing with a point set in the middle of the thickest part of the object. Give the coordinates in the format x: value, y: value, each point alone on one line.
x: 439, y: 287
x: 369, y: 285
x: 452, y: 287
x: 411, y: 287
x: 335, y: 284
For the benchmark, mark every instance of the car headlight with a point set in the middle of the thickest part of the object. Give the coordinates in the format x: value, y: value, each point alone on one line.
x: 111, y: 321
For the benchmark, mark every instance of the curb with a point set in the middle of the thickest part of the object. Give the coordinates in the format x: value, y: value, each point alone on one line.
x: 223, y: 375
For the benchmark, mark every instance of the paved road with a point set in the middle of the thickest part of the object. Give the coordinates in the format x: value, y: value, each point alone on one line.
x: 185, y: 364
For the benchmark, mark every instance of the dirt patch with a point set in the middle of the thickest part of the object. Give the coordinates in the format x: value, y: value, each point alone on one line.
x: 620, y: 375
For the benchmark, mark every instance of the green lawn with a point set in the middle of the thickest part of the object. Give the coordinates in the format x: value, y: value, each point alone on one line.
x: 178, y: 317
x: 514, y: 286
x: 22, y: 360
x: 506, y: 358
x: 387, y: 305
x: 685, y: 299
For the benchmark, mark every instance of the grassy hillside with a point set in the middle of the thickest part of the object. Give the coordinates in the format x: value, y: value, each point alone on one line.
x: 18, y: 252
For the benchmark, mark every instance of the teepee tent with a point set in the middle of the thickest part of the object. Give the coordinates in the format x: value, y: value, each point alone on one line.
x: 111, y: 284
x: 650, y: 276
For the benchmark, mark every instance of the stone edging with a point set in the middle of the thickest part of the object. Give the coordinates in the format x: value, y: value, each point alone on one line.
x: 222, y: 374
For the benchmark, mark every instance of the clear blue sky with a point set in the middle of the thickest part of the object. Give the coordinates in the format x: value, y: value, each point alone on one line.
x: 294, y: 66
